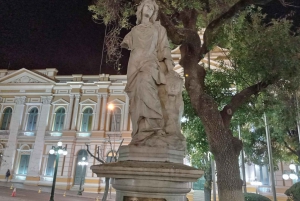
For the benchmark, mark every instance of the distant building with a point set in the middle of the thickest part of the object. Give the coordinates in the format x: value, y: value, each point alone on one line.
x: 39, y: 108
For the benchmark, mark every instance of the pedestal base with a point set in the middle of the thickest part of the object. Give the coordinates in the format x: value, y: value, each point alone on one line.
x: 149, y: 174
x: 144, y: 181
x: 146, y: 190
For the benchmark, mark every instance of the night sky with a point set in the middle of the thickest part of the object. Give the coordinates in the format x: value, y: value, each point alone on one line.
x: 60, y: 34
x: 37, y: 34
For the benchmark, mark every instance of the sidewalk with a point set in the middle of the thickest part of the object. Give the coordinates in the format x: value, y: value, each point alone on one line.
x: 92, y: 196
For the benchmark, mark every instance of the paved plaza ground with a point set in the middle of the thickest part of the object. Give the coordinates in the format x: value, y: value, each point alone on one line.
x: 30, y: 193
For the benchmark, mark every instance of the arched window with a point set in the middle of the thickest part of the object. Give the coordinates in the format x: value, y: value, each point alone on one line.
x: 32, y: 119
x: 24, y: 155
x: 59, y: 119
x: 111, y: 156
x: 6, y: 117
x: 115, y: 119
x: 87, y: 119
x: 80, y: 171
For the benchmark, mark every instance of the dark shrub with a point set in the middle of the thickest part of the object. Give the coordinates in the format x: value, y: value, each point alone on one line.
x: 294, y: 192
x: 255, y: 197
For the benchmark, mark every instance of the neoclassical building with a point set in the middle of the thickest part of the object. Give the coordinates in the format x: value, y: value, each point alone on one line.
x: 39, y: 109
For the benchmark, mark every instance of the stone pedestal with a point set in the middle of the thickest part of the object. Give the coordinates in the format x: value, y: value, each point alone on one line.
x: 149, y: 173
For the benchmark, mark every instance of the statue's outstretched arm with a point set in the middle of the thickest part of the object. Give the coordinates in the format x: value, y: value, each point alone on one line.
x: 127, y: 41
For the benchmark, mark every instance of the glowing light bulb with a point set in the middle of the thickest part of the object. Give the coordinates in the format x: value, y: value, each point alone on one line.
x: 292, y: 166
x: 60, y: 151
x: 285, y: 176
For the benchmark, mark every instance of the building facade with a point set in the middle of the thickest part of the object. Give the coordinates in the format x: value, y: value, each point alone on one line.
x: 39, y: 109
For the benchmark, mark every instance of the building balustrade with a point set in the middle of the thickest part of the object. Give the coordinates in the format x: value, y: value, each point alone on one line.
x: 83, y: 134
x: 114, y: 134
x: 53, y: 133
x: 26, y: 133
x: 4, y: 134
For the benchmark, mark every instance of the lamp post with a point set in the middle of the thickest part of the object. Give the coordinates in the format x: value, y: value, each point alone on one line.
x: 243, y: 162
x: 57, y: 151
x: 82, y: 163
x: 270, y: 157
x: 111, y: 107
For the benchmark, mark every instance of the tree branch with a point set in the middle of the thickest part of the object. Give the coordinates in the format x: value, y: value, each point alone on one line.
x: 189, y: 18
x: 213, y: 26
x: 289, y: 148
x: 175, y: 34
x: 97, y: 158
x: 240, y: 98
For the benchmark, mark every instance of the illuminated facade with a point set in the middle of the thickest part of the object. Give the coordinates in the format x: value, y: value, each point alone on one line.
x: 39, y: 108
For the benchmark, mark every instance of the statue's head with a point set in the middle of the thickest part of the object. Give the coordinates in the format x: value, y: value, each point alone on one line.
x: 139, y: 12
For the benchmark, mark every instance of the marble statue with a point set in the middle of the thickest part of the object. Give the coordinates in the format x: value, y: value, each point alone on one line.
x: 153, y: 87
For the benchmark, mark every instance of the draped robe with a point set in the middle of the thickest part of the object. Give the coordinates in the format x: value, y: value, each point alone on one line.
x: 149, y: 48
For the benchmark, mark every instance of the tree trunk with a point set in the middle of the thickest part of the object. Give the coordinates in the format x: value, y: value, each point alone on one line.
x: 223, y: 145
x: 228, y: 174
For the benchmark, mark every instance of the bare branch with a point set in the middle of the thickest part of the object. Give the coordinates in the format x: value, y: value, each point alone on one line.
x: 119, y: 149
x: 92, y: 155
x: 287, y: 4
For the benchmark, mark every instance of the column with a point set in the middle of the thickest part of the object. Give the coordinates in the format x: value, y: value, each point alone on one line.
x: 130, y: 125
x: 11, y: 146
x: 125, y: 126
x: 69, y: 114
x: 104, y: 106
x: 35, y: 160
x: 108, y: 120
x: 75, y: 112
x: 97, y: 113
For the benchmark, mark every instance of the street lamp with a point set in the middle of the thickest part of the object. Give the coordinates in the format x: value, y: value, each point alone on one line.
x: 111, y: 107
x: 82, y: 163
x: 292, y: 174
x: 57, y: 151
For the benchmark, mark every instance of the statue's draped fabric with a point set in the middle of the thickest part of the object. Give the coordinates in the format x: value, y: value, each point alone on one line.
x: 149, y: 46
